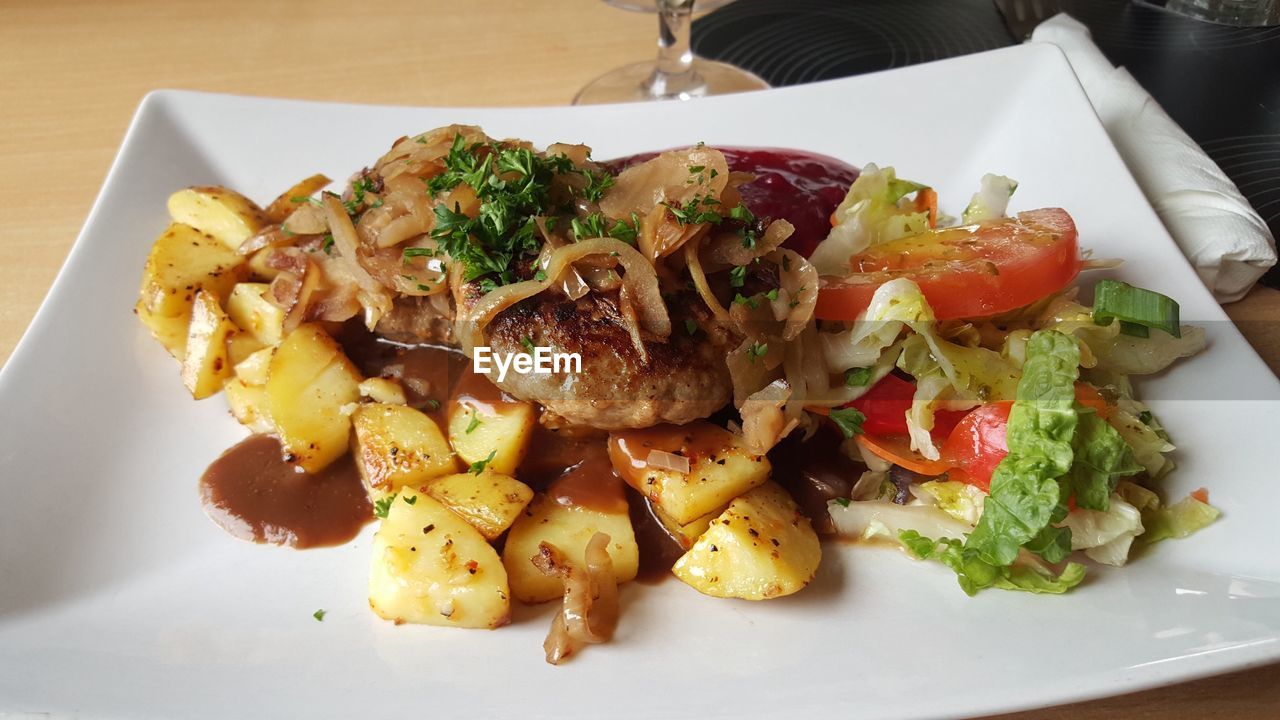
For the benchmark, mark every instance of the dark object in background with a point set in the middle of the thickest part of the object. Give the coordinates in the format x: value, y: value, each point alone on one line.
x: 1221, y: 84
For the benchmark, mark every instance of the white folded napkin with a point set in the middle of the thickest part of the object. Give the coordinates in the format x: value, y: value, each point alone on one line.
x: 1225, y: 239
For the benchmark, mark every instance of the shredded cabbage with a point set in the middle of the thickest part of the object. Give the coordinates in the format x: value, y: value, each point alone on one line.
x: 992, y: 199
x: 1178, y: 520
x: 961, y: 501
x: 1105, y: 536
x: 1104, y: 347
x: 872, y: 212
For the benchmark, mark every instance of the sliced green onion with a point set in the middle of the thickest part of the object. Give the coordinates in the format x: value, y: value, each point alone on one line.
x: 1137, y: 309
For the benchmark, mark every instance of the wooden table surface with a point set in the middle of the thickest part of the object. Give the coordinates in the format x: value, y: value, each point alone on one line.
x: 75, y: 70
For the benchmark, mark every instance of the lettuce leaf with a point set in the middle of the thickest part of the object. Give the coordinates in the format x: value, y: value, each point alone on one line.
x: 975, y: 575
x: 1100, y: 458
x: 1026, y: 496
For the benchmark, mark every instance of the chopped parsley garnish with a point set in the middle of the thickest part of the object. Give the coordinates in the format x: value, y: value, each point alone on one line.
x: 1145, y: 417
x: 475, y: 422
x: 738, y: 276
x: 690, y: 326
x: 478, y: 466
x: 857, y: 377
x: 410, y: 499
x: 540, y: 275
x: 383, y: 506
x: 626, y: 232
x: 319, y: 615
x: 433, y: 403
x: 299, y: 199
x: 757, y: 350
x: 596, y: 184
x: 849, y: 420
x: 327, y: 247
x: 358, y: 190
x: 742, y: 214
x: 692, y: 212
x: 592, y: 226
x: 750, y: 302
x: 795, y: 297
x: 527, y: 342
x: 513, y: 187
x: 844, y: 502
x: 772, y: 294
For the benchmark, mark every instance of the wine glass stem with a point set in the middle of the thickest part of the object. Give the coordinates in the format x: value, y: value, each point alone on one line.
x: 674, y: 74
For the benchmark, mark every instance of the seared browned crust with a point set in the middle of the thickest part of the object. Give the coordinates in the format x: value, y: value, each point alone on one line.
x: 415, y: 320
x: 684, y: 379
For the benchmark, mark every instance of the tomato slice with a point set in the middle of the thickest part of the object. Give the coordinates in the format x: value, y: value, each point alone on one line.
x: 886, y: 404
x: 977, y: 445
x: 965, y: 272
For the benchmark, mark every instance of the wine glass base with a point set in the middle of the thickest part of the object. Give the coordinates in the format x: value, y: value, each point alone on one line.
x: 635, y: 83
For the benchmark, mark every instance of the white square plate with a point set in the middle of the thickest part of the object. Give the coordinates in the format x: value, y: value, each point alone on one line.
x: 118, y: 598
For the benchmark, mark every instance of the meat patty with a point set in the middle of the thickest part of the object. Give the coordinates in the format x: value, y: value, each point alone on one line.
x: 684, y: 379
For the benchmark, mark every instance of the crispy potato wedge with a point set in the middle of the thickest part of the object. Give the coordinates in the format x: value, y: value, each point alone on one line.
x: 248, y: 405
x: 720, y: 467
x: 225, y: 214
x: 430, y: 567
x: 569, y: 528
x: 761, y: 547
x: 249, y: 310
x: 182, y: 262
x: 309, y: 380
x: 490, y: 501
x: 207, y: 366
x: 396, y: 446
x: 485, y: 428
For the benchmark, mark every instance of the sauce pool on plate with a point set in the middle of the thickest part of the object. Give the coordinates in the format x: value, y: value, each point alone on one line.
x: 253, y: 494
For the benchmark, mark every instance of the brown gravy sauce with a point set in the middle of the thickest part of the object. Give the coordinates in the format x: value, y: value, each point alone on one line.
x: 253, y: 494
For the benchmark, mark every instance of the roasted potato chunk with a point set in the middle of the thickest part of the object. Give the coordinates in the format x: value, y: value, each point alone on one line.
x: 551, y: 518
x: 255, y: 368
x: 430, y: 567
x: 688, y: 533
x: 395, y: 446
x: 383, y: 390
x: 248, y: 405
x: 250, y: 311
x: 490, y: 501
x: 720, y: 467
x: 181, y: 263
x: 483, y: 427
x: 207, y: 366
x: 761, y: 547
x: 309, y: 380
x: 225, y: 214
